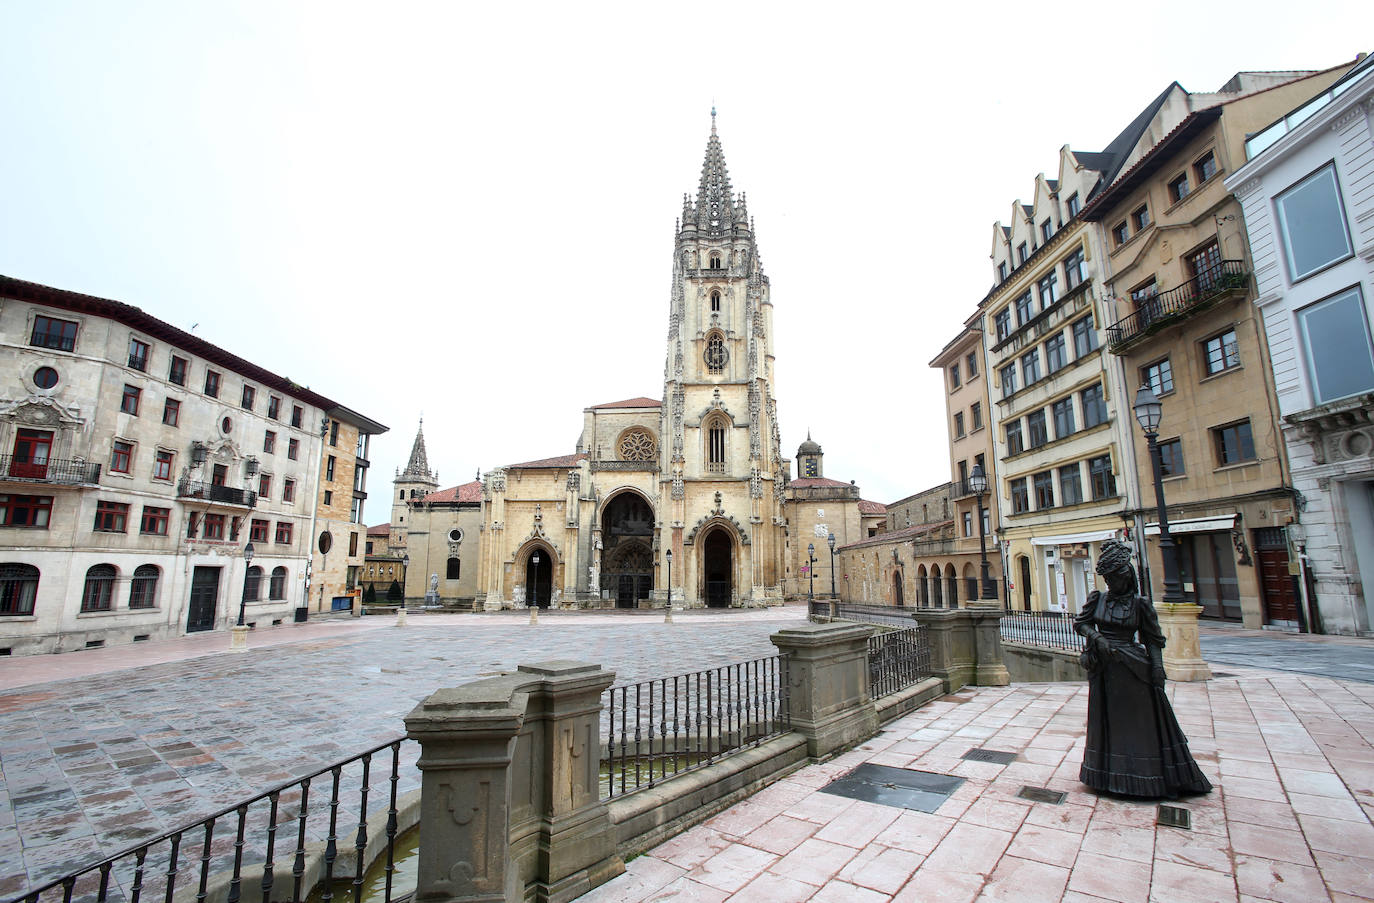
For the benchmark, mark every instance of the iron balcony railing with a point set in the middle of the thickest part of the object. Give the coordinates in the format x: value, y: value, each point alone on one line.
x: 1153, y: 314
x: 210, y: 492
x: 897, y: 659
x: 658, y: 728
x: 1039, y: 628
x: 62, y: 471
x: 875, y: 614
x: 243, y: 843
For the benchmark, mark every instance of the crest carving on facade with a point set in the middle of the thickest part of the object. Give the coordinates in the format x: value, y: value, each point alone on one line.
x: 41, y: 410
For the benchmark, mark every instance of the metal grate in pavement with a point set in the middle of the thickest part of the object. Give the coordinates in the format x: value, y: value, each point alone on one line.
x: 1175, y: 817
x: 996, y: 756
x: 902, y: 788
x: 1041, y: 795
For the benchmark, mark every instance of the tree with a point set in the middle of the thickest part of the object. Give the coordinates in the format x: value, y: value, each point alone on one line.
x: 394, y: 593
x: 369, y: 594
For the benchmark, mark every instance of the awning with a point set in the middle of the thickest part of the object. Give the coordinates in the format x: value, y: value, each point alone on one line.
x: 1069, y: 538
x: 1222, y: 522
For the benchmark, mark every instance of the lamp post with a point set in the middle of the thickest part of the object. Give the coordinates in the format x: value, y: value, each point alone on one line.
x: 978, y: 482
x: 811, y: 571
x: 238, y: 634
x: 668, y: 616
x: 1148, y: 411
x: 830, y: 540
x: 534, y: 589
x: 401, y: 609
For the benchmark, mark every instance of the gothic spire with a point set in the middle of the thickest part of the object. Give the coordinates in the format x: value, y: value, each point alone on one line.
x: 715, y: 200
x: 417, y: 470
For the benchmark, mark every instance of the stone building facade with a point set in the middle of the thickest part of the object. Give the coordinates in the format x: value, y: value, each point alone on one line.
x: 338, y: 535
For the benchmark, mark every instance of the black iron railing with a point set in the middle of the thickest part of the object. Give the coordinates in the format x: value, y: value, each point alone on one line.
x: 876, y: 614
x: 243, y: 843
x: 1166, y: 307
x: 897, y: 659
x: 658, y: 728
x: 1038, y: 628
x: 210, y: 492
x: 65, y: 471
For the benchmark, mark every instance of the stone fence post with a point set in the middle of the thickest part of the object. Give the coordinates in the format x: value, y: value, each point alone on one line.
x: 827, y: 672
x: 1182, y: 649
x: 966, y: 645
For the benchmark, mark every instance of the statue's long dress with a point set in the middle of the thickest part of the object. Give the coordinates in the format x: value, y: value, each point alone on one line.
x: 1134, y: 745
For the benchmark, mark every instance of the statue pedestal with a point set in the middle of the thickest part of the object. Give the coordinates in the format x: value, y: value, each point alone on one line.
x: 238, y: 638
x: 1182, y: 654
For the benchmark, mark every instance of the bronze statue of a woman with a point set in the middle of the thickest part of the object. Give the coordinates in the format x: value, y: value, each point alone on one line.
x: 1134, y: 746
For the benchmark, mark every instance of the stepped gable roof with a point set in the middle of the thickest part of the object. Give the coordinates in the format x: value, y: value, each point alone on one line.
x: 819, y: 483
x: 640, y: 402
x: 1115, y: 154
x: 467, y: 492
x: 560, y: 461
x: 1156, y: 157
x: 380, y: 530
x: 867, y: 507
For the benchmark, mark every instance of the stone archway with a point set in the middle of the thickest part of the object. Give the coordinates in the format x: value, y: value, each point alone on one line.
x: 539, y: 577
x: 627, y: 559
x: 898, y: 597
x: 630, y: 573
x: 718, y: 568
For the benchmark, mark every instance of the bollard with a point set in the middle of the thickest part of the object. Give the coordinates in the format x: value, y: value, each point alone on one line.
x: 401, y: 616
x: 534, y: 614
x: 668, y: 614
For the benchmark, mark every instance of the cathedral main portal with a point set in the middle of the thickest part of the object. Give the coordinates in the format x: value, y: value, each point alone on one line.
x: 628, y: 561
x: 718, y: 567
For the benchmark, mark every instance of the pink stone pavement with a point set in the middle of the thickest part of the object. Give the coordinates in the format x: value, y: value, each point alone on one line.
x: 1290, y: 818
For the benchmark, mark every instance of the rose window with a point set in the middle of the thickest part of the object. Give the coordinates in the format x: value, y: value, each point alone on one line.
x: 637, y: 445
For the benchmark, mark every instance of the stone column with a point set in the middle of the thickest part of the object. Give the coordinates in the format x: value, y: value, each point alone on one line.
x: 828, y: 683
x: 1182, y: 653
x: 985, y: 616
x: 966, y: 645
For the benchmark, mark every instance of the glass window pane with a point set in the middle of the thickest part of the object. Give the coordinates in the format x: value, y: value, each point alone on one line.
x: 1313, y: 222
x: 1336, y: 339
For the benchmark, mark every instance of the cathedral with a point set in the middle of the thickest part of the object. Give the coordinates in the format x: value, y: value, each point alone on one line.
x: 682, y: 498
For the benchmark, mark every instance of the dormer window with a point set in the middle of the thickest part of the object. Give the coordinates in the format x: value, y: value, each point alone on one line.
x: 715, y: 302
x: 1046, y: 230
x: 1021, y: 253
x: 1002, y: 271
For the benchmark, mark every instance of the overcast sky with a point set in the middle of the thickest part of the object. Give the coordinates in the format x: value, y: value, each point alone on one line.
x: 466, y: 210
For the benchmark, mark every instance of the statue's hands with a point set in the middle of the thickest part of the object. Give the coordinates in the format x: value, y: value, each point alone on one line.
x: 1157, y: 676
x: 1101, y: 646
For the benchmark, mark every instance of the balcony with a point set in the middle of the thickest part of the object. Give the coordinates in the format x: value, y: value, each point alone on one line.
x: 1228, y: 280
x: 921, y: 548
x: 223, y: 495
x: 54, y: 471
x: 651, y: 466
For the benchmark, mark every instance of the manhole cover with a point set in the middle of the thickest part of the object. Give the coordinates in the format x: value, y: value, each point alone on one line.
x: 1041, y: 795
x: 1175, y: 817
x: 996, y: 756
x: 902, y: 788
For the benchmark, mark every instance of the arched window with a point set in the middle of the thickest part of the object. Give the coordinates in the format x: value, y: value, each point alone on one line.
x: 953, y: 582
x: 402, y: 495
x: 715, y: 445
x: 715, y: 261
x: 252, y: 584
x: 143, y: 588
x: 99, y: 592
x: 277, y: 589
x: 715, y: 302
x: 18, y: 588
x: 455, y: 568
x: 716, y: 355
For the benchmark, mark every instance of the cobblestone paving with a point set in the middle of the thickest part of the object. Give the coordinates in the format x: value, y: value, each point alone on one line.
x: 92, y: 764
x: 1342, y: 658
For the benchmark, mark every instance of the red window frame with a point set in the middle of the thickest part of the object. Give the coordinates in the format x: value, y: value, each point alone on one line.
x: 171, y: 412
x: 111, y: 517
x: 129, y: 403
x: 293, y: 448
x: 212, y: 383
x: 155, y: 520
x: 250, y: 395
x: 50, y: 332
x: 212, y: 527
x: 273, y: 406
x: 265, y: 486
x: 176, y: 371
x: 269, y: 443
x: 138, y: 354
x: 121, y: 456
x: 25, y: 511
x: 288, y: 490
x: 283, y: 536
x: 257, y: 530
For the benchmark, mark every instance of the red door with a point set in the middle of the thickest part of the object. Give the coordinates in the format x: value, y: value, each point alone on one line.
x: 31, y: 450
x: 1276, y: 584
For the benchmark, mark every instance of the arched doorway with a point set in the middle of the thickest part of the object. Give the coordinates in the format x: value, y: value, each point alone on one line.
x: 922, y: 588
x: 952, y: 582
x: 539, y: 578
x: 717, y: 552
x: 627, y: 561
x: 897, y: 598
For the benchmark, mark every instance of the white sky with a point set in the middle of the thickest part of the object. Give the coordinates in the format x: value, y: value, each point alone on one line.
x: 467, y: 210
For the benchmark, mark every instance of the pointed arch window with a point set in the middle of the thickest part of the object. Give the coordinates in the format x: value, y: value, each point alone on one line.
x: 715, y: 445
x: 715, y: 302
x: 716, y: 355
x: 715, y: 261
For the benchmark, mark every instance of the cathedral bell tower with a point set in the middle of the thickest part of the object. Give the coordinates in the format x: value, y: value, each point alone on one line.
x: 722, y: 471
x: 411, y: 484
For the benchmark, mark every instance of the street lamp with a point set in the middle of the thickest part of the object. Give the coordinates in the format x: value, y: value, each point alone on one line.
x: 811, y: 571
x: 978, y: 482
x: 534, y: 589
x: 247, y: 563
x: 830, y: 539
x: 668, y: 617
x: 1148, y: 411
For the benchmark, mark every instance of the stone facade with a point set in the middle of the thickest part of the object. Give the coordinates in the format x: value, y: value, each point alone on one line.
x: 338, y: 539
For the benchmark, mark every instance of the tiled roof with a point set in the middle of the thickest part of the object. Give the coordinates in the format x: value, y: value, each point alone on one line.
x: 468, y: 492
x: 867, y: 507
x: 380, y: 530
x: 640, y: 402
x: 560, y: 461
x: 914, y: 532
x: 819, y: 482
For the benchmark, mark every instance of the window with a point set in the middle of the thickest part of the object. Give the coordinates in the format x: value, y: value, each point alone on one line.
x: 954, y: 376
x: 234, y: 526
x: 111, y: 517
x: 1094, y: 406
x: 99, y: 590
x: 971, y: 364
x: 143, y: 588
x: 1025, y: 309
x: 353, y: 543
x: 1171, y: 458
x: 355, y: 511
x: 455, y: 568
x: 212, y: 527
x: 715, y: 302
x: 1100, y: 477
x: 138, y: 354
x: 293, y: 448
x: 1048, y: 288
x: 1056, y: 353
x: 283, y: 532
x: 1205, y: 265
x: 1178, y: 188
x: 269, y: 442
x: 1020, y: 496
x: 334, y: 433
x: 1312, y: 223
x: 1075, y: 270
x: 1062, y: 410
x: 1140, y: 218
x: 265, y: 485
x: 1073, y: 205
x: 329, y: 497
x: 963, y: 472
x: 1070, y: 489
x: 1205, y: 168
x: 45, y: 377
x: 715, y: 435
x: 1002, y: 319
x: 1159, y: 376
x: 329, y: 468
x: 252, y: 584
x: 1145, y: 292
x: 1002, y: 271
x: 715, y: 261
x: 1036, y: 431
x: 1222, y: 352
x: 1015, y: 443
x: 25, y: 510
x: 297, y: 416
x: 1044, y: 489
x: 1008, y: 377
x: 1120, y: 233
x: 715, y: 354
x: 1046, y: 230
x: 212, y: 383
x: 257, y: 530
x: 176, y: 373
x: 1084, y: 337
x: 162, y: 464
x: 968, y: 523
x: 1234, y: 443
x: 154, y: 521
x: 273, y: 407
x: 1030, y: 366
x: 288, y: 490
x: 959, y: 425
x: 976, y: 416
x: 121, y: 455
x: 129, y: 403
x: 49, y: 332
x: 1336, y: 339
x: 192, y: 521
x: 277, y: 589
x: 249, y: 394
x: 1021, y: 253
x: 18, y: 589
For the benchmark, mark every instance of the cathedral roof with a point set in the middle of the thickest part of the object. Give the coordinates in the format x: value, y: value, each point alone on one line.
x: 819, y: 483
x: 560, y: 461
x: 417, y: 469
x: 380, y: 530
x: 867, y: 507
x: 640, y: 402
x: 468, y: 492
x: 809, y: 447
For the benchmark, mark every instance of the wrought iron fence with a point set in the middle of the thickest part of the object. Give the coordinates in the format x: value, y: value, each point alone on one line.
x: 1225, y: 276
x: 897, y: 659
x: 52, y: 470
x: 242, y: 844
x: 1038, y: 628
x: 876, y: 614
x: 658, y: 728
x: 227, y: 494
